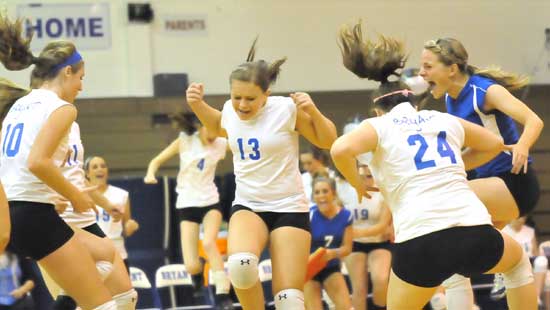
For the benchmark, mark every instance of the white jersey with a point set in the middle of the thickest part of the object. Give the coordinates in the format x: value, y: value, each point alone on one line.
x: 419, y: 170
x: 112, y: 229
x: 365, y: 214
x: 74, y: 172
x: 524, y: 237
x: 196, y: 187
x: 265, y: 157
x: 19, y: 130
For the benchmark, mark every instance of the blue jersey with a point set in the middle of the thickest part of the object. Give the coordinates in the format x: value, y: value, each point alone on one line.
x: 10, y: 276
x: 328, y: 233
x: 470, y: 106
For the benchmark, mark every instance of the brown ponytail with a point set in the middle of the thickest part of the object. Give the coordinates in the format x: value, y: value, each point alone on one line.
x: 451, y: 51
x: 375, y: 61
x: 258, y: 72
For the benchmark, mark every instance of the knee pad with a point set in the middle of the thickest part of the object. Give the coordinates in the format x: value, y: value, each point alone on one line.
x: 126, y: 300
x: 243, y: 270
x: 104, y: 268
x: 519, y: 275
x: 110, y: 305
x: 540, y: 265
x: 457, y: 282
x: 459, y: 293
x: 289, y: 299
x: 438, y: 301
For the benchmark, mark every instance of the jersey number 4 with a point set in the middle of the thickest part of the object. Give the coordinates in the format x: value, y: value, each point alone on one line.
x: 200, y: 164
x: 255, y: 144
x: 443, y: 148
x: 12, y: 139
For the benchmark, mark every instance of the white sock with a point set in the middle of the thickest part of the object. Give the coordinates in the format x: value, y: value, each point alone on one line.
x: 289, y: 299
x: 222, y: 282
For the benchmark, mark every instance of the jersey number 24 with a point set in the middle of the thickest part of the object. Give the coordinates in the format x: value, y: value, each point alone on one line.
x: 443, y: 148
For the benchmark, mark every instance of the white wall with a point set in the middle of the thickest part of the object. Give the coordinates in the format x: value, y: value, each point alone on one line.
x: 509, y: 33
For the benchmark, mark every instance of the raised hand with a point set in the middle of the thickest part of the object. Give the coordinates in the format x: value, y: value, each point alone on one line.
x: 195, y: 93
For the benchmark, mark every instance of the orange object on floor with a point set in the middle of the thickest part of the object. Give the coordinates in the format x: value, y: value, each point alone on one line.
x: 316, y: 263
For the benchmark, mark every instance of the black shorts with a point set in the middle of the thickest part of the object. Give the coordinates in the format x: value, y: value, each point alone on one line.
x: 326, y: 272
x: 370, y: 246
x: 428, y: 260
x: 524, y: 187
x: 36, y: 229
x: 94, y: 229
x: 274, y: 220
x: 196, y: 214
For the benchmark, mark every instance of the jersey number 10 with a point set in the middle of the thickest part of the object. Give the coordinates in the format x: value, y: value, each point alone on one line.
x: 12, y: 139
x: 443, y: 148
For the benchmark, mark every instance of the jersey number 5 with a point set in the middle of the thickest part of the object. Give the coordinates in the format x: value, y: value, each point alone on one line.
x: 443, y: 148
x: 12, y: 139
x: 255, y: 144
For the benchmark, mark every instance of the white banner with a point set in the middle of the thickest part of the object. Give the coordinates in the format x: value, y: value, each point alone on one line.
x: 86, y: 24
x: 183, y: 25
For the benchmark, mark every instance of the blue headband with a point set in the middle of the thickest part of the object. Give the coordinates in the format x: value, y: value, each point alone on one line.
x: 73, y: 59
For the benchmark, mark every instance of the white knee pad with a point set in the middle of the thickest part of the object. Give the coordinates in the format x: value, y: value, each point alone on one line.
x: 126, y: 300
x: 438, y: 301
x: 459, y: 293
x: 519, y: 275
x: 243, y: 270
x: 110, y: 305
x: 289, y: 299
x: 540, y: 265
x: 104, y: 268
x: 457, y: 282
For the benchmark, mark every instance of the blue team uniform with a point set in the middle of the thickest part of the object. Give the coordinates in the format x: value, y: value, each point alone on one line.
x: 328, y: 233
x: 469, y: 106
